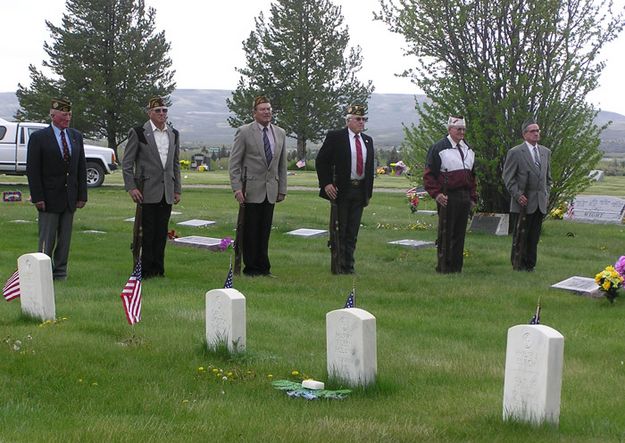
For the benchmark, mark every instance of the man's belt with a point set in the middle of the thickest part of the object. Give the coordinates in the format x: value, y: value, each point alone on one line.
x: 356, y: 183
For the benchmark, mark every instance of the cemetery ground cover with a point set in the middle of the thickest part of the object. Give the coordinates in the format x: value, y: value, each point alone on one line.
x: 441, y: 339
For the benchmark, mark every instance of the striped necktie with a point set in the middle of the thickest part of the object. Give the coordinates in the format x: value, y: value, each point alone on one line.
x: 536, y: 157
x: 267, y: 145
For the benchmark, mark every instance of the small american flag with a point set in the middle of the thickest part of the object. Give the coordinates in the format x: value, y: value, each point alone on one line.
x: 131, y: 296
x: 228, y: 283
x: 571, y: 210
x: 349, y: 303
x: 11, y: 288
x: 536, y: 318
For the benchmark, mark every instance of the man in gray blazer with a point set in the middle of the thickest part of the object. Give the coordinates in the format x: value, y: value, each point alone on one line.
x: 259, y: 151
x: 527, y: 175
x: 152, y: 156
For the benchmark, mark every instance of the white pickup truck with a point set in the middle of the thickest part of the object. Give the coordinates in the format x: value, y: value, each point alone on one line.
x: 14, y: 144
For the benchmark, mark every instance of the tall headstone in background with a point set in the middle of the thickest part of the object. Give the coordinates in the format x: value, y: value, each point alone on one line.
x: 533, y: 377
x: 36, y: 286
x: 225, y: 319
x: 351, y: 346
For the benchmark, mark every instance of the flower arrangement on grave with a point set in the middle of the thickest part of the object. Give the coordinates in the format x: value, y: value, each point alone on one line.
x: 225, y: 243
x: 413, y: 199
x: 609, y: 281
x: 558, y: 212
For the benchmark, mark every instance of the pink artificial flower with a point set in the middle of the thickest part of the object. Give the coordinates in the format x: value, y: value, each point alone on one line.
x: 225, y: 242
x: 619, y: 266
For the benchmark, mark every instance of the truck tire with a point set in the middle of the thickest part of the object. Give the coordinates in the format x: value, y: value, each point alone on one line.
x: 95, y: 175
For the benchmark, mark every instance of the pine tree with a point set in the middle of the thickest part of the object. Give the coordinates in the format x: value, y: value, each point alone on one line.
x: 108, y: 59
x: 499, y: 64
x: 300, y: 60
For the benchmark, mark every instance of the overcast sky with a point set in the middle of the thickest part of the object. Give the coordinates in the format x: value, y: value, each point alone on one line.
x: 206, y: 39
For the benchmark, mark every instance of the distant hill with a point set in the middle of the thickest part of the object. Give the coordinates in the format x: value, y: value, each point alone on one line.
x: 201, y: 116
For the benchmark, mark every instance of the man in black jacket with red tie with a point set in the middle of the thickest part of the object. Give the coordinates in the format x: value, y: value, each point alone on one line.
x: 57, y: 177
x: 348, y: 155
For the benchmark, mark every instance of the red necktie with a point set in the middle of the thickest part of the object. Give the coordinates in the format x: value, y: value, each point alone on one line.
x: 65, y: 147
x: 358, y: 156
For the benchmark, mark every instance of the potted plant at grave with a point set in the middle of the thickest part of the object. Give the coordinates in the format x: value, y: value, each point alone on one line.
x: 413, y: 199
x: 609, y: 281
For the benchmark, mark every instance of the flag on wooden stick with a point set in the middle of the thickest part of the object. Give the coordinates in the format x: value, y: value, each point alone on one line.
x: 11, y: 288
x: 351, y: 299
x: 536, y: 318
x: 229, y: 283
x: 131, y: 296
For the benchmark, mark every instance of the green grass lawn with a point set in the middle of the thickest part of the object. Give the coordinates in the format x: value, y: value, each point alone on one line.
x: 441, y: 339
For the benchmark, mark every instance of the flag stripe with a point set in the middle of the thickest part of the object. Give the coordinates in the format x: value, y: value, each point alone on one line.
x: 131, y: 296
x: 11, y: 288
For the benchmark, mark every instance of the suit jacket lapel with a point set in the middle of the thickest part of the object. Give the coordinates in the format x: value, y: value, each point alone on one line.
x: 75, y: 148
x: 149, y: 136
x: 529, y: 158
x: 172, y: 145
x: 54, y: 142
x: 260, y: 144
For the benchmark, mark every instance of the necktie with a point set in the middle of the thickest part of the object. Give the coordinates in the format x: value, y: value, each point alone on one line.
x: 536, y: 157
x: 65, y: 147
x: 268, y: 154
x: 359, y: 167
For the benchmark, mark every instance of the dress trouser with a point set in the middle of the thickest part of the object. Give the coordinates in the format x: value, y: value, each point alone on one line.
x: 533, y: 227
x: 450, y: 243
x: 351, y: 203
x: 154, y: 223
x: 258, y: 219
x: 55, y: 235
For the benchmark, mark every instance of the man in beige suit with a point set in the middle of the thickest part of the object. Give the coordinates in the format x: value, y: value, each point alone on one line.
x: 259, y: 151
x: 527, y: 175
x: 152, y: 157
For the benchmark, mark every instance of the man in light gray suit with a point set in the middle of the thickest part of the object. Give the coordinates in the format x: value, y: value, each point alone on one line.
x: 152, y: 157
x: 527, y: 175
x: 259, y: 151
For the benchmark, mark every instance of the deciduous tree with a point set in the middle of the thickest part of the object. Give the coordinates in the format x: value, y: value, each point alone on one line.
x: 502, y: 62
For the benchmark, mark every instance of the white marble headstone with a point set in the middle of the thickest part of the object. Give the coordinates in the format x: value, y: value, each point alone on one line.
x: 196, y: 223
x: 36, y: 286
x: 581, y: 286
x: 533, y: 377
x: 225, y: 319
x: 307, y: 232
x: 198, y: 241
x: 416, y: 244
x: 351, y: 346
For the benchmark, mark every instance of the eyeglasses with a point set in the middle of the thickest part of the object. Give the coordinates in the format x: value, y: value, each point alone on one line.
x: 359, y: 119
x: 160, y: 110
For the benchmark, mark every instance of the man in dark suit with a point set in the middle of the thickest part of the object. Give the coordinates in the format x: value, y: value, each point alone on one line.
x: 152, y: 156
x: 348, y: 155
x: 259, y: 150
x: 57, y: 177
x: 449, y: 179
x: 527, y: 175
